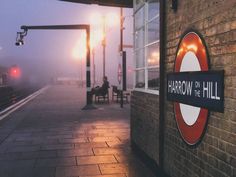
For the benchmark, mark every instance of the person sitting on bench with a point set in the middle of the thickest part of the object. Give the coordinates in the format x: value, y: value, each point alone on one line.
x: 103, y: 90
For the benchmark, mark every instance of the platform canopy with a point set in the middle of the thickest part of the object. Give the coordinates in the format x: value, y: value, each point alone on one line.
x: 114, y: 3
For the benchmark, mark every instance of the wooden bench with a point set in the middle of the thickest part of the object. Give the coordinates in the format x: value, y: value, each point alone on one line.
x: 116, y: 93
x: 125, y: 97
x: 102, y: 97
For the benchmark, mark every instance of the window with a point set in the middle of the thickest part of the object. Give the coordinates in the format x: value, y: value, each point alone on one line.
x: 147, y: 44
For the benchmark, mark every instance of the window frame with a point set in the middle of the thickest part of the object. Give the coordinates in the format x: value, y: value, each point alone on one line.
x: 146, y: 68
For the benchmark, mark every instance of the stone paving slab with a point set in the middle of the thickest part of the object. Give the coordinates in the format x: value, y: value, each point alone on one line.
x: 52, y: 137
x: 115, y: 175
x: 96, y: 160
x: 55, y: 162
x: 113, y: 168
x: 77, y: 170
x: 90, y: 145
x: 75, y: 152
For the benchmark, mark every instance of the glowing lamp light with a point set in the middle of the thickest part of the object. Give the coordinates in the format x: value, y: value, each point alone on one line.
x: 112, y: 19
x: 96, y: 37
x: 151, y: 61
x: 155, y: 54
x: 154, y: 58
x: 15, y: 72
x: 96, y: 19
x: 80, y: 50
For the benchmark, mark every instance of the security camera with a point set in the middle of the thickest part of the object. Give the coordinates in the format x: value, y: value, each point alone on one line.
x: 19, y: 38
x: 19, y: 43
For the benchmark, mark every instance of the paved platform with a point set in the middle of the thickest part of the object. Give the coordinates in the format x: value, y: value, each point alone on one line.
x: 52, y: 137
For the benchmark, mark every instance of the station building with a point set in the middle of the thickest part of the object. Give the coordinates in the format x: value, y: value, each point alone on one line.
x: 160, y: 29
x: 180, y: 132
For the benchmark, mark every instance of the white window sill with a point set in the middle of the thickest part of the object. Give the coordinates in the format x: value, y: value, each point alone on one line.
x: 155, y: 92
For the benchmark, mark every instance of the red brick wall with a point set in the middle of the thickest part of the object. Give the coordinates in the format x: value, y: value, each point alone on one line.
x: 145, y: 123
x: 216, y: 154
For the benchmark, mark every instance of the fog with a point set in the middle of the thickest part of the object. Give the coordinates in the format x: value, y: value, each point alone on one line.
x: 48, y: 54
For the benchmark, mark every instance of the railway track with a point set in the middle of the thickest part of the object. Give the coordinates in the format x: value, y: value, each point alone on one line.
x: 9, y: 95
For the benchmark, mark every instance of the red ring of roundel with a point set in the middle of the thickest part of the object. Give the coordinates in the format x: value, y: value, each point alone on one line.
x: 191, y: 134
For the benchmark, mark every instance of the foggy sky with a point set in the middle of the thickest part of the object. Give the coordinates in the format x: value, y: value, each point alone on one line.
x: 49, y: 53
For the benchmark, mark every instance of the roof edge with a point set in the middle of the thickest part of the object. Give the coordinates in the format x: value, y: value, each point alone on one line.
x: 112, y: 3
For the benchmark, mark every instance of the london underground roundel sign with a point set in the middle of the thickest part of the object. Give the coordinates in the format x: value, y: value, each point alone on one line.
x: 191, y: 57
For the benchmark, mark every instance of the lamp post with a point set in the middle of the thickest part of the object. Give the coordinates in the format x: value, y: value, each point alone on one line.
x: 122, y: 53
x: 93, y: 42
x: 79, y: 54
x: 103, y: 22
x: 104, y: 45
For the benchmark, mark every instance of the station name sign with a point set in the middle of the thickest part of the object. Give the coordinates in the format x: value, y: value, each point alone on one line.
x: 199, y: 88
x: 194, y: 89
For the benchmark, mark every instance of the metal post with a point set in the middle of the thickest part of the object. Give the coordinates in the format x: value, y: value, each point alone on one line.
x: 88, y: 71
x: 94, y: 71
x: 121, y: 51
x: 162, y: 104
x: 124, y: 70
x: 104, y: 60
x: 81, y: 73
x: 104, y: 46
